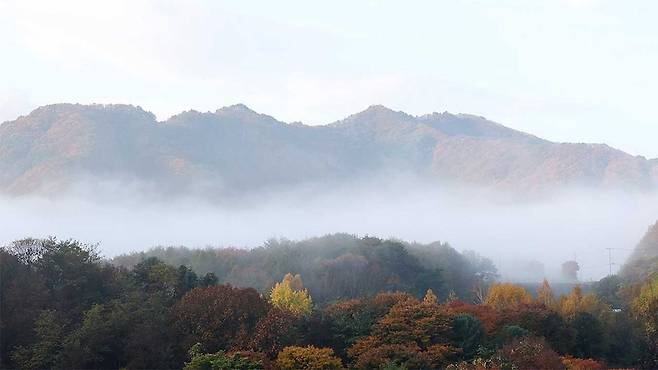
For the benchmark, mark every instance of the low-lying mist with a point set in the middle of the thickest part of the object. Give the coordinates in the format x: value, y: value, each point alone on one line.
x: 527, y: 239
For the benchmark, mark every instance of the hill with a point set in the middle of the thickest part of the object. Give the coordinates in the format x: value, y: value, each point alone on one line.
x: 644, y: 260
x: 235, y: 150
x: 335, y: 266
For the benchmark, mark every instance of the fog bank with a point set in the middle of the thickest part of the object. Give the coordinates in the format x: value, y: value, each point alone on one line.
x: 576, y: 224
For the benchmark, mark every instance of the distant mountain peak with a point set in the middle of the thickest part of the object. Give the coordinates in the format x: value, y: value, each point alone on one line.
x: 376, y: 114
x: 237, y: 108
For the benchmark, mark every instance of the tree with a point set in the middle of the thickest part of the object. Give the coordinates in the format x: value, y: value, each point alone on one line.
x: 308, y: 358
x: 571, y: 363
x: 467, y: 333
x: 576, y: 302
x: 222, y: 361
x: 430, y: 297
x: 46, y: 351
x: 545, y: 295
x: 220, y: 317
x: 274, y: 332
x: 23, y: 295
x: 589, y: 336
x: 527, y: 353
x: 645, y: 307
x: 290, y: 295
x: 491, y: 319
x: 355, y: 318
x: 507, y: 296
x: 411, y: 334
x: 208, y: 279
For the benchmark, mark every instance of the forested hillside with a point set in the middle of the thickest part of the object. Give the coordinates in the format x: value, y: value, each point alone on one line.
x: 64, y: 307
x: 644, y: 260
x: 336, y: 266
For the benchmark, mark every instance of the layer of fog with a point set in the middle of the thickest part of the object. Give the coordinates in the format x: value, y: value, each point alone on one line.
x: 576, y: 224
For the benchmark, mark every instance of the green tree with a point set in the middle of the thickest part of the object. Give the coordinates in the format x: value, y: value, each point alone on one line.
x: 466, y: 333
x: 46, y: 351
x: 220, y: 360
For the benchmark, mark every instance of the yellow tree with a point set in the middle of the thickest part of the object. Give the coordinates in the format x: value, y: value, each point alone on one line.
x: 545, y: 295
x: 507, y: 296
x: 576, y: 302
x: 290, y: 295
x: 308, y: 358
x: 430, y: 297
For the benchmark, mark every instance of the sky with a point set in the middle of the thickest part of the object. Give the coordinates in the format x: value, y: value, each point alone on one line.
x: 565, y: 70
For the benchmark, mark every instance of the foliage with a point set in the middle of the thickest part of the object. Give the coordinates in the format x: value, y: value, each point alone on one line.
x: 527, y: 353
x: 571, y: 363
x: 506, y: 296
x: 467, y: 333
x: 645, y: 307
x: 274, y: 332
x: 307, y: 358
x: 545, y: 295
x: 220, y: 360
x: 412, y: 334
x: 220, y: 317
x: 63, y: 307
x: 354, y: 318
x: 45, y: 352
x: 490, y: 318
x: 289, y: 295
x: 430, y: 297
x: 336, y: 267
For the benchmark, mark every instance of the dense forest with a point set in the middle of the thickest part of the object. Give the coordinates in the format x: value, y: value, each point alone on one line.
x: 326, y: 303
x: 336, y: 266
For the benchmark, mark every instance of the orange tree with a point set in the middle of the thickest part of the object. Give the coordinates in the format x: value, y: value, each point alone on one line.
x: 412, y: 334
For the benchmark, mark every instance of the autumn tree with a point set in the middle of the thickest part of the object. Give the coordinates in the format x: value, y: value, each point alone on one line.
x: 430, y: 297
x: 506, y: 296
x: 527, y: 353
x: 220, y: 317
x: 645, y: 307
x: 291, y: 296
x: 545, y: 295
x: 274, y: 331
x: 576, y: 302
x: 491, y: 319
x: 412, y: 334
x: 355, y: 318
x: 308, y: 358
x: 571, y: 363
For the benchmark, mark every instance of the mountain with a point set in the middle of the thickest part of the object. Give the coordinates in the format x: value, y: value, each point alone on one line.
x: 236, y: 150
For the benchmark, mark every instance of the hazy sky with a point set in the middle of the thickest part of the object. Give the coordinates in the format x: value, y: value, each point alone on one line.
x: 572, y: 70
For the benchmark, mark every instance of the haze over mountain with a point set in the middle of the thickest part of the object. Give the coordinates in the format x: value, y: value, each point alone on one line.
x: 235, y: 150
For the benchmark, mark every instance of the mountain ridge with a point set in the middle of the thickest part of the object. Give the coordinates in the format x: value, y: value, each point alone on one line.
x: 236, y: 148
